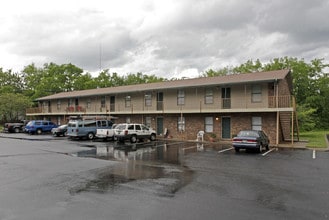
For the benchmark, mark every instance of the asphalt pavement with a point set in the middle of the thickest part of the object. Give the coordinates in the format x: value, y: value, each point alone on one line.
x: 45, y: 177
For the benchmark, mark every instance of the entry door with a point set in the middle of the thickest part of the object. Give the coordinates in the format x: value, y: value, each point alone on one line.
x: 160, y: 101
x: 160, y: 125
x: 226, y: 98
x: 112, y: 103
x: 226, y: 127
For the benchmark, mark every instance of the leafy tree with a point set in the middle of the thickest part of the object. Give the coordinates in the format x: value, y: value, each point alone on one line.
x: 221, y: 72
x: 10, y: 82
x: 13, y: 106
x: 52, y: 78
x: 139, y: 78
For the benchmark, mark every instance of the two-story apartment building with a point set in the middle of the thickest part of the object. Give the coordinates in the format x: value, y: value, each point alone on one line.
x: 220, y: 105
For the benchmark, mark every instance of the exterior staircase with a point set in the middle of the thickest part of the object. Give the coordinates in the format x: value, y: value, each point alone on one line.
x: 286, y: 126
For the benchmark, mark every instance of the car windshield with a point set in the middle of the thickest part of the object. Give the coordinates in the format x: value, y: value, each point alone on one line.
x: 72, y: 124
x: 248, y: 134
x: 120, y: 127
x: 30, y: 123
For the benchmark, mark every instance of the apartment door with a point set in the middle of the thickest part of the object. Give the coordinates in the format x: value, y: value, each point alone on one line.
x: 159, y: 125
x: 226, y: 98
x: 226, y: 127
x: 160, y: 101
x: 112, y: 103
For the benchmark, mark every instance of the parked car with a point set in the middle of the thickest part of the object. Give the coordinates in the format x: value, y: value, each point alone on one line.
x: 15, y: 127
x: 134, y: 132
x: 86, y: 128
x: 251, y: 139
x: 39, y: 126
x: 59, y: 131
x: 106, y: 133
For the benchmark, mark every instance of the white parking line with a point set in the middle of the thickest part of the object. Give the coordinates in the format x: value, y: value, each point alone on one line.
x: 267, y: 152
x: 314, y: 156
x: 221, y: 151
x: 188, y: 148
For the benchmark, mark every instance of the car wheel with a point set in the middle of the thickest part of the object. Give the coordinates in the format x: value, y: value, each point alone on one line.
x: 39, y: 131
x: 237, y: 149
x: 153, y: 137
x: 133, y: 139
x: 90, y: 136
x: 16, y: 130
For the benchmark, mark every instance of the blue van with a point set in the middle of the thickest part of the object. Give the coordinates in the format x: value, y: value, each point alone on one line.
x: 86, y: 128
x: 39, y: 126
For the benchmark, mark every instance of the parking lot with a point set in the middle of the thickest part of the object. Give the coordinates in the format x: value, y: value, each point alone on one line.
x: 45, y: 177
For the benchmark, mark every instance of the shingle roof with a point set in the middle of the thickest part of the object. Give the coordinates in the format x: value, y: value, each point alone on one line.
x: 184, y: 83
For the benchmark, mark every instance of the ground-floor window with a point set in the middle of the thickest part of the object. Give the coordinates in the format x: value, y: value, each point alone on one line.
x: 256, y: 123
x: 148, y: 121
x: 209, y: 124
x: 181, y: 124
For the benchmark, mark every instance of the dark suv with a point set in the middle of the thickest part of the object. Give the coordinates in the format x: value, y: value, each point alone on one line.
x: 39, y: 126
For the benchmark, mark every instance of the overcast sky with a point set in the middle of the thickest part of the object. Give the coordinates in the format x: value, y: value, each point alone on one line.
x: 168, y: 38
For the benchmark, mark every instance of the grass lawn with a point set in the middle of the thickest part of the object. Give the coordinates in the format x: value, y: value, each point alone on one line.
x: 315, y: 138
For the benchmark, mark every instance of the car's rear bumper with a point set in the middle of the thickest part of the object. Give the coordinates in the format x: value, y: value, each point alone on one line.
x: 245, y: 146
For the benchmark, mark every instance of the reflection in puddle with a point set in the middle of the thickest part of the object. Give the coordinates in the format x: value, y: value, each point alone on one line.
x: 144, y: 152
x: 156, y: 168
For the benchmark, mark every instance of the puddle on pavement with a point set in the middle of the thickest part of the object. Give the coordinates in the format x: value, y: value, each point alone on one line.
x: 154, y: 167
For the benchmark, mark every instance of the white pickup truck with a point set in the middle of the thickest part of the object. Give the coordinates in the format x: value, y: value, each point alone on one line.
x: 106, y: 133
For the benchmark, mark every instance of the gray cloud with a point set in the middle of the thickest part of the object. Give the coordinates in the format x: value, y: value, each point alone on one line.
x: 168, y: 38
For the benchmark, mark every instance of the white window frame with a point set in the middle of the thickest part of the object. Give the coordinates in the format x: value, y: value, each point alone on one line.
x: 180, y: 97
x: 181, y: 124
x: 209, y: 96
x: 256, y: 123
x: 209, y: 124
x: 256, y: 93
x: 128, y: 101
x: 148, y: 99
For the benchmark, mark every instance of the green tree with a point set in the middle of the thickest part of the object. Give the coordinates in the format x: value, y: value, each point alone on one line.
x: 10, y: 82
x: 13, y: 106
x: 53, y: 78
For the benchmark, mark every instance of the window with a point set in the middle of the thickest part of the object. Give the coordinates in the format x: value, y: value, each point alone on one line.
x: 148, y: 121
x: 256, y: 93
x: 58, y: 104
x: 181, y: 124
x: 128, y: 101
x: 102, y: 123
x: 88, y: 103
x: 226, y: 98
x: 138, y: 128
x: 89, y: 123
x: 148, y: 99
x: 103, y: 101
x: 256, y: 123
x: 209, y: 97
x: 180, y: 97
x: 209, y: 124
x: 70, y: 102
